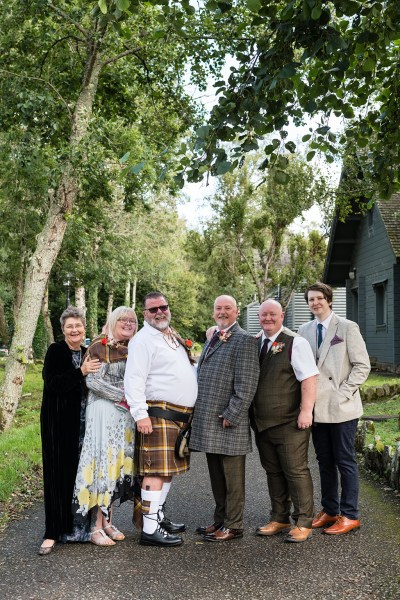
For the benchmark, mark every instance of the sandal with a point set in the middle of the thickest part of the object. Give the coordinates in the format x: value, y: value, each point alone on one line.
x: 115, y: 534
x: 102, y: 538
x: 44, y: 550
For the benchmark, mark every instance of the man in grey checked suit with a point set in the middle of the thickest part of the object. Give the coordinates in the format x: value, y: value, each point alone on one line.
x: 228, y: 373
x: 343, y: 363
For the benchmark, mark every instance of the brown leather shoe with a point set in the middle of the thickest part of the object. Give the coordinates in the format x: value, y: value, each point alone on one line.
x: 224, y: 534
x: 209, y: 529
x: 322, y: 519
x: 299, y: 534
x: 343, y: 525
x: 272, y: 528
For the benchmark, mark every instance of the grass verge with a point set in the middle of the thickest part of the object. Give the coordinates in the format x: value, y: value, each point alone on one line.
x: 388, y: 431
x: 20, y: 451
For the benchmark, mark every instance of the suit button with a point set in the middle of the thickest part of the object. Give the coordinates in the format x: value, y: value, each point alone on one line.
x: 330, y: 377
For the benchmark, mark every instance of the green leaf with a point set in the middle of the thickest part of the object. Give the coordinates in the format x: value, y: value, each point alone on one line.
x: 310, y: 155
x: 123, y: 4
x: 103, y: 6
x: 253, y: 5
x: 137, y: 168
x: 306, y: 137
x: 369, y: 64
x: 203, y: 131
x: 316, y: 13
x: 281, y: 177
x: 223, y: 167
x: 124, y: 158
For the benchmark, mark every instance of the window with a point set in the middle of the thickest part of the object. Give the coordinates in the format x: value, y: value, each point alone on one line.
x: 380, y: 303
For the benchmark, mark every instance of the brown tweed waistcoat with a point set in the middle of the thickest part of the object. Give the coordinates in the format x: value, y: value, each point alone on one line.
x: 278, y: 395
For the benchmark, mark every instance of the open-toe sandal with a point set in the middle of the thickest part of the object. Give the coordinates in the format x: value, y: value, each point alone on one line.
x: 45, y: 550
x: 115, y: 534
x: 102, y: 538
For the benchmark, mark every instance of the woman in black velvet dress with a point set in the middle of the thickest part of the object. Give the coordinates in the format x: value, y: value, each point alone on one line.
x: 61, y: 424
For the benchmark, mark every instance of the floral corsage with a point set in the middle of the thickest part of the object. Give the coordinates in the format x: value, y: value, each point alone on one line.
x: 104, y: 340
x: 277, y: 347
x: 224, y: 335
x: 188, y: 344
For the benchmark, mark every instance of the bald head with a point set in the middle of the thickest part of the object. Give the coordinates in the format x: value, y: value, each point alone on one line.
x: 225, y: 311
x: 271, y: 317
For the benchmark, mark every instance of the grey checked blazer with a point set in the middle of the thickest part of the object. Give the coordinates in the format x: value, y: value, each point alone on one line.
x: 227, y: 378
x: 343, y: 365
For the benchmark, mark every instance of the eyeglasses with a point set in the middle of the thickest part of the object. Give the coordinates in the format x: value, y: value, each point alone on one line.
x: 153, y: 310
x: 128, y: 321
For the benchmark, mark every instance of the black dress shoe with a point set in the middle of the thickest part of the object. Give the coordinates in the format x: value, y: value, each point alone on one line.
x: 171, y: 527
x: 224, y: 534
x: 159, y: 538
x: 208, y: 529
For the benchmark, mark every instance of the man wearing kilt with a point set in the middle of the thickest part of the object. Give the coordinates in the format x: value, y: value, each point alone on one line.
x: 227, y: 376
x: 161, y: 389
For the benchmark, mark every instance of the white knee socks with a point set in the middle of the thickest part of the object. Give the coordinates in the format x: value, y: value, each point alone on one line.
x: 150, y: 518
x: 164, y: 493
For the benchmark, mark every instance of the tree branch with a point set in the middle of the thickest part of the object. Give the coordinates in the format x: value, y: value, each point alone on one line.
x: 65, y: 16
x: 66, y: 37
x: 125, y: 53
x: 43, y: 81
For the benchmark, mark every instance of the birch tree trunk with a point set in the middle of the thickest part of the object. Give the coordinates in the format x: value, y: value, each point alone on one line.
x: 134, y: 286
x: 46, y: 317
x: 80, y: 300
x: 92, y: 320
x: 127, y: 292
x: 48, y: 246
x: 110, y: 303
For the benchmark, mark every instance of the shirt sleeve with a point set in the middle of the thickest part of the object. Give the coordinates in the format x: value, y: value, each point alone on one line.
x: 137, y: 369
x: 302, y: 359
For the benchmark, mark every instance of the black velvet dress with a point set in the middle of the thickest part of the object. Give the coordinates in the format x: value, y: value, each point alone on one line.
x: 60, y: 422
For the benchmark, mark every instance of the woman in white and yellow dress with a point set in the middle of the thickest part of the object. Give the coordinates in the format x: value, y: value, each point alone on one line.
x: 106, y: 469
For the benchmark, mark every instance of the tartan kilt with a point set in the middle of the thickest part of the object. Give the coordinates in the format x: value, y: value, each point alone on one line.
x: 155, y: 452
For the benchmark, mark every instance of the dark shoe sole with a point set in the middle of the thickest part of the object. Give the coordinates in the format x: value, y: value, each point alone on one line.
x: 160, y: 544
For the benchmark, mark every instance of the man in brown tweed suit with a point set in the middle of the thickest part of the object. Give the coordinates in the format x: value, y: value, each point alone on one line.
x: 281, y: 416
x: 227, y: 379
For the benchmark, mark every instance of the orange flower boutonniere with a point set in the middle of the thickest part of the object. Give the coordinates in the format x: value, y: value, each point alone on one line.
x: 277, y: 347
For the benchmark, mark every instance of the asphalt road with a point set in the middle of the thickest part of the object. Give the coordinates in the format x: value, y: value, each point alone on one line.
x: 361, y: 565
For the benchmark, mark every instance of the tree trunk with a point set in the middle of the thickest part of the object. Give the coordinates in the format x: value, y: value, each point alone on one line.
x: 134, y: 286
x: 46, y: 317
x: 48, y: 246
x: 127, y: 292
x: 3, y: 325
x: 92, y: 320
x: 110, y: 303
x: 80, y: 301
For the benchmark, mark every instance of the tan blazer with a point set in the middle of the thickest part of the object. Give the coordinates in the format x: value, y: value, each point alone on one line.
x: 343, y: 365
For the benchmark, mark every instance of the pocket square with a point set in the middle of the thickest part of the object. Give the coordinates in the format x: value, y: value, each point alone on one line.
x: 336, y: 340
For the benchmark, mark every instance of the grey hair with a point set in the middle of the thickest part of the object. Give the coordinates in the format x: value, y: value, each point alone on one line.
x: 118, y: 313
x: 74, y: 313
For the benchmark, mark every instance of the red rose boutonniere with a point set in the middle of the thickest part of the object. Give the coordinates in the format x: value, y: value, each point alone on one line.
x: 277, y: 347
x: 104, y: 340
x: 224, y: 335
x: 188, y: 344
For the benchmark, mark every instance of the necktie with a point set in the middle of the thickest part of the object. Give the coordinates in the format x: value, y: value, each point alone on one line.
x: 319, y: 337
x: 214, y: 340
x: 264, y: 350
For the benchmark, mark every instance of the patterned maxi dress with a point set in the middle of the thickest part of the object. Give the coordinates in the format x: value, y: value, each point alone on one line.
x: 106, y: 466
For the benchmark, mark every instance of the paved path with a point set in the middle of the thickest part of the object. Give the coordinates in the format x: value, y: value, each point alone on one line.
x: 361, y: 565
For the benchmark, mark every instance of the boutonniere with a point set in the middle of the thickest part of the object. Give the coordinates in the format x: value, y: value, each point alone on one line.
x: 224, y: 335
x: 104, y: 340
x: 336, y: 340
x: 277, y: 347
x: 188, y: 344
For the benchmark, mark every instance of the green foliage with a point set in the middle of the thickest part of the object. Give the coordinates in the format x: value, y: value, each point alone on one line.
x: 40, y: 342
x: 295, y: 60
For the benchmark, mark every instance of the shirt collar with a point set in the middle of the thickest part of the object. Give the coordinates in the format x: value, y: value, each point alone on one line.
x: 272, y: 338
x: 326, y: 322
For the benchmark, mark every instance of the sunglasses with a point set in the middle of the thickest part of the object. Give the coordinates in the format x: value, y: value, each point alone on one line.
x: 153, y: 310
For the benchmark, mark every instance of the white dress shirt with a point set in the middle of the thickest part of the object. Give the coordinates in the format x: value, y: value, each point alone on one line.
x: 302, y: 359
x: 157, y: 370
x: 325, y: 325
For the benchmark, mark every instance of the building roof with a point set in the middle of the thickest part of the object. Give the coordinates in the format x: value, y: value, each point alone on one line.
x: 390, y: 212
x: 343, y: 238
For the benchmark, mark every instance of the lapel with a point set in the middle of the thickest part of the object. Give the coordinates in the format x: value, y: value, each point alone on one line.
x: 330, y: 334
x: 312, y: 337
x: 206, y: 355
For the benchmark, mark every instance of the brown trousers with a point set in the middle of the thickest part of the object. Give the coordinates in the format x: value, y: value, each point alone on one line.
x: 284, y: 455
x: 227, y: 476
